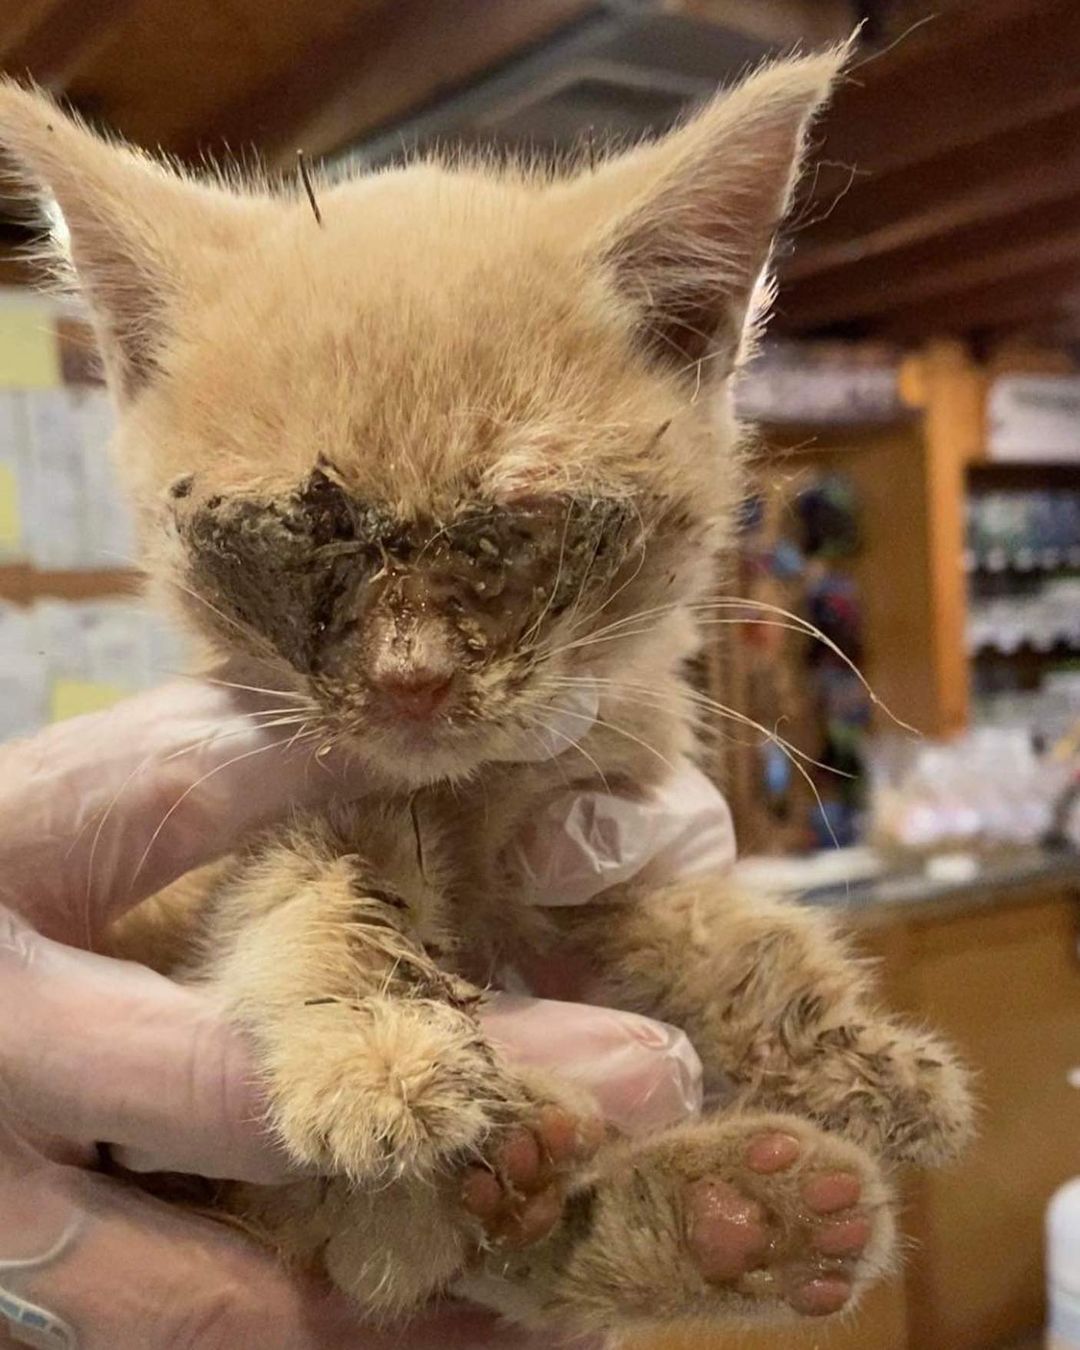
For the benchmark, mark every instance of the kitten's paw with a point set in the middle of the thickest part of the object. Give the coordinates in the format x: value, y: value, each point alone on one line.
x: 790, y: 1225
x: 743, y: 1219
x: 930, y: 1119
x: 517, y: 1194
x: 385, y: 1087
x: 894, y: 1088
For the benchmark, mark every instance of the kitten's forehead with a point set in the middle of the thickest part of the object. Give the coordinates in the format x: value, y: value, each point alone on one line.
x: 407, y: 368
x: 420, y: 338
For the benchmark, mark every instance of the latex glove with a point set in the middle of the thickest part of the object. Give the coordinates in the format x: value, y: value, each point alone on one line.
x: 94, y: 815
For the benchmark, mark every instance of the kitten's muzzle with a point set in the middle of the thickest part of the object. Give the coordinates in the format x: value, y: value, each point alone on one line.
x: 418, y: 694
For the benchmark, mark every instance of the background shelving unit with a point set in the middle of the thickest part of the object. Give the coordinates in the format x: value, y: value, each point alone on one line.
x: 1023, y: 567
x: 909, y: 475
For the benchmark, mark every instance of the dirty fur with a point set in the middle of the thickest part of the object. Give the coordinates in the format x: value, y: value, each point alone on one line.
x: 470, y: 441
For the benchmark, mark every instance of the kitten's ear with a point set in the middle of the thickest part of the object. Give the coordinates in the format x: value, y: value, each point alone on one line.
x: 139, y: 238
x: 696, y: 212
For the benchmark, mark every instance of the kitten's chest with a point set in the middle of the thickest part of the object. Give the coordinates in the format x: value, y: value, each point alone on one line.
x: 446, y: 853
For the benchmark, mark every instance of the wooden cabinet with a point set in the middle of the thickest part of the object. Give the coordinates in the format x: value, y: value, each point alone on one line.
x: 1003, y: 983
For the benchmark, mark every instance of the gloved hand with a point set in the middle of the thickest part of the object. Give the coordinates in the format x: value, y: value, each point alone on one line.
x: 95, y: 814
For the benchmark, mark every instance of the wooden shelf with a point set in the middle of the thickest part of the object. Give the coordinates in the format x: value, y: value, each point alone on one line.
x: 995, y: 475
x: 22, y: 584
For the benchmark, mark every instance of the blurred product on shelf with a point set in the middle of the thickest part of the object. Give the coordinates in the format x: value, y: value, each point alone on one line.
x: 1023, y: 614
x: 60, y: 507
x: 1023, y: 530
x: 823, y: 383
x: 74, y: 644
x: 991, y: 788
x: 1043, y: 616
x: 800, y: 784
x: 1033, y: 418
x: 1048, y: 712
x: 1063, y: 1268
x: 828, y: 512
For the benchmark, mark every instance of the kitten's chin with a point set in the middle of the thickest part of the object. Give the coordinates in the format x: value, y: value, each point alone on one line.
x: 417, y: 754
x: 419, y: 757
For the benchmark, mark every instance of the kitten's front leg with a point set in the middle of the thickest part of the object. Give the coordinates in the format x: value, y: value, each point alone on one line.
x: 781, y: 1013
x: 378, y: 1075
x: 371, y: 1055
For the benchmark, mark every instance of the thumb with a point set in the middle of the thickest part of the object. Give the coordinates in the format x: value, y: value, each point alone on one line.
x: 643, y: 1074
x: 101, y: 1050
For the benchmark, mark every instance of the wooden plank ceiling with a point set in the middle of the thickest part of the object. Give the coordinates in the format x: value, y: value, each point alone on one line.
x: 946, y: 196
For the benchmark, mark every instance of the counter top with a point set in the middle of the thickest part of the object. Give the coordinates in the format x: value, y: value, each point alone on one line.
x: 1000, y: 879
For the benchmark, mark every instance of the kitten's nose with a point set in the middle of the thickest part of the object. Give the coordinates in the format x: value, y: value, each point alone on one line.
x: 417, y: 693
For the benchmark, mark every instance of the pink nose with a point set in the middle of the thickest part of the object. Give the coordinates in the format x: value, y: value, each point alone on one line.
x: 415, y: 694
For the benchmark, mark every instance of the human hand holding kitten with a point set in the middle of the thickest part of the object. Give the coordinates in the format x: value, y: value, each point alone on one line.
x: 155, y: 1073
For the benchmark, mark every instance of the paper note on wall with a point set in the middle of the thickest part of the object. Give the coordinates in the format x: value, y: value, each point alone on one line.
x: 73, y: 698
x: 63, y: 658
x: 110, y: 540
x: 13, y: 454
x: 55, y: 510
x: 29, y: 349
x: 23, y: 671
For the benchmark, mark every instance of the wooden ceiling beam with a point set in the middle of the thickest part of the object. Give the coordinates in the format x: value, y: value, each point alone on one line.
x: 1029, y: 240
x: 383, y: 64
x: 980, y: 70
x: 1050, y: 295
x: 781, y: 21
x: 66, y: 35
x: 1036, y: 165
x: 17, y: 20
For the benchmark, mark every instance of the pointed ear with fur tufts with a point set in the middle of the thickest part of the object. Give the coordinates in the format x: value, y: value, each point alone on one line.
x: 692, y: 217
x: 141, y: 240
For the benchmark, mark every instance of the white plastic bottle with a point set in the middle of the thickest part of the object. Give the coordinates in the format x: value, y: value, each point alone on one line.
x: 1063, y: 1268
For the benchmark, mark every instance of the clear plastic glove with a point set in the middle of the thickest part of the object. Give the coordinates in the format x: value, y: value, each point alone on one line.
x: 95, y: 814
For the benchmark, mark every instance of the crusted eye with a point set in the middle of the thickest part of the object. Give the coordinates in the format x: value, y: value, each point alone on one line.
x: 327, y: 512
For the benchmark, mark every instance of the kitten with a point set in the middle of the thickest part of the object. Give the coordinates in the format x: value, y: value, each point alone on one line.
x: 425, y: 467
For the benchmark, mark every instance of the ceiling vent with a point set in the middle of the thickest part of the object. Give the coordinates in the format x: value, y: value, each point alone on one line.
x: 622, y: 71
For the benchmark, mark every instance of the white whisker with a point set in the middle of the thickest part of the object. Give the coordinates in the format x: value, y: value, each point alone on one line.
x: 219, y: 768
x: 611, y: 726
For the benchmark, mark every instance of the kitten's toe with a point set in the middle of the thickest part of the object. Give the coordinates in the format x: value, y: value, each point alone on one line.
x: 726, y: 1231
x: 820, y: 1295
x: 517, y: 1195
x: 567, y: 1139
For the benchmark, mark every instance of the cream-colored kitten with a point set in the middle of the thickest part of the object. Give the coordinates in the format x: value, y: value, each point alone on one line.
x: 425, y: 467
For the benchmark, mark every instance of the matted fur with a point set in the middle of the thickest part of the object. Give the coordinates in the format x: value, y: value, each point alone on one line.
x: 468, y: 443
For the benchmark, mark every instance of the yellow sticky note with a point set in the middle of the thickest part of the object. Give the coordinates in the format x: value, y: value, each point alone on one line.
x: 10, y: 515
x: 72, y: 698
x: 29, y: 347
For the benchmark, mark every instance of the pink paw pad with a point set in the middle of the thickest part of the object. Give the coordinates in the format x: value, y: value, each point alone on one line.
x: 820, y: 1297
x: 800, y: 1244
x: 518, y: 1197
x: 726, y: 1230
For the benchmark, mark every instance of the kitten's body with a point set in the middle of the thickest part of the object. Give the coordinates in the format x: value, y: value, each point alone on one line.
x: 429, y: 469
